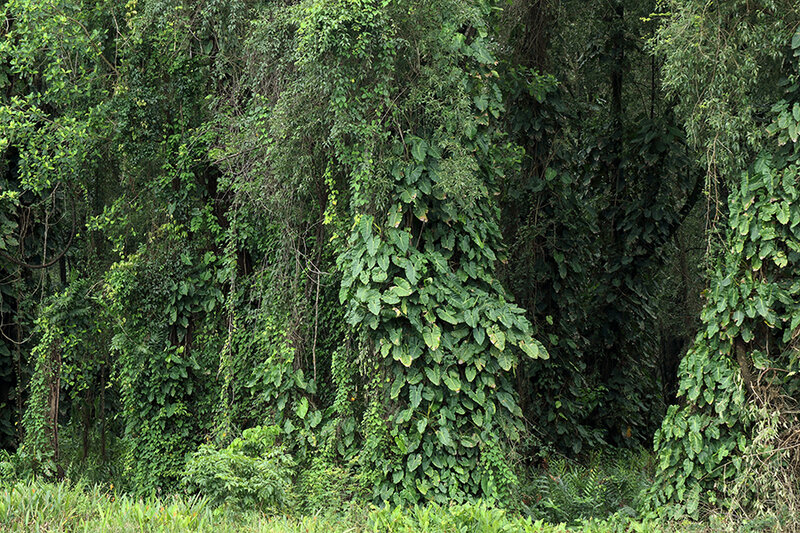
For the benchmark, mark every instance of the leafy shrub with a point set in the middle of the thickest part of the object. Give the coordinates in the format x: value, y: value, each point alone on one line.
x: 731, y: 443
x: 8, y: 467
x: 327, y: 486
x: 253, y: 472
x: 433, y: 517
x: 20, y: 465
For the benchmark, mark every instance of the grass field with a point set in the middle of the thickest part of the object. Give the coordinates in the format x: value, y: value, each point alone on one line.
x: 49, y: 507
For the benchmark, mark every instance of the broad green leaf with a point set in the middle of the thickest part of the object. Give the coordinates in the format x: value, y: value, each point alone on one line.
x: 452, y: 381
x: 471, y: 317
x: 481, y: 53
x: 404, y: 416
x: 395, y: 334
x: 414, y: 460
x: 401, y: 292
x: 397, y: 386
x: 423, y: 486
x: 403, y: 241
x: 383, y: 261
x: 477, y: 418
x: 446, y: 316
x: 419, y: 147
x: 302, y: 408
x: 396, y: 216
x: 498, y: 338
x: 505, y: 360
x: 433, y: 374
x: 372, y: 246
x: 696, y: 441
x: 421, y: 211
x: 783, y: 211
x: 416, y: 396
x: 365, y: 227
x: 531, y: 349
x: 432, y: 336
x: 470, y: 373
x: 444, y: 436
x: 400, y: 440
x: 479, y: 334
x: 400, y: 353
x: 374, y: 302
x: 507, y: 401
x: 411, y: 273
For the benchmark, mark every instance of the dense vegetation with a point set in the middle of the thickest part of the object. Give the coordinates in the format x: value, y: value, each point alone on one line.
x: 523, y: 259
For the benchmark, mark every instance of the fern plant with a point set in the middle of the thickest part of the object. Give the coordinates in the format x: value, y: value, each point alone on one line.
x: 609, y: 482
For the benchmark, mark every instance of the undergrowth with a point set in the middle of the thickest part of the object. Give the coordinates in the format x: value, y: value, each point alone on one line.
x: 609, y: 482
x: 63, y: 507
x: 602, y: 494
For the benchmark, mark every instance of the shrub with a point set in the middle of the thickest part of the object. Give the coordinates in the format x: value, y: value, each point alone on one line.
x: 466, y: 517
x: 325, y: 486
x: 8, y: 469
x: 253, y: 472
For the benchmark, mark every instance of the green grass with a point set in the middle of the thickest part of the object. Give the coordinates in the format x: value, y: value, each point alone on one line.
x: 45, y: 507
x: 63, y: 507
x: 50, y: 507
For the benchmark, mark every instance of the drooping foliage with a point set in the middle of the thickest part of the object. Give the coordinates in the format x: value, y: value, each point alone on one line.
x: 722, y: 63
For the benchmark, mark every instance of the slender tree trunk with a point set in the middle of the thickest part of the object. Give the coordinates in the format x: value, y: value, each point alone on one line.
x: 54, y: 397
x: 744, y: 365
x: 18, y: 368
x: 103, y: 412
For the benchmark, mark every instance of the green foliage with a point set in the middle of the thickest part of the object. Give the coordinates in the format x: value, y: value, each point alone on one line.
x: 741, y: 368
x: 65, y: 507
x: 609, y: 482
x: 39, y: 447
x: 252, y: 472
x: 165, y: 395
x: 281, y: 394
x: 481, y: 517
x: 325, y: 486
x: 604, y: 184
x: 53, y: 112
x: 435, y: 333
x: 10, y: 468
x: 723, y: 63
x: 467, y: 517
x: 289, y: 216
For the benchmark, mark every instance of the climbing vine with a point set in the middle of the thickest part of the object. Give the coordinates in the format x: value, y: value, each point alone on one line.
x: 738, y: 379
x: 434, y: 335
